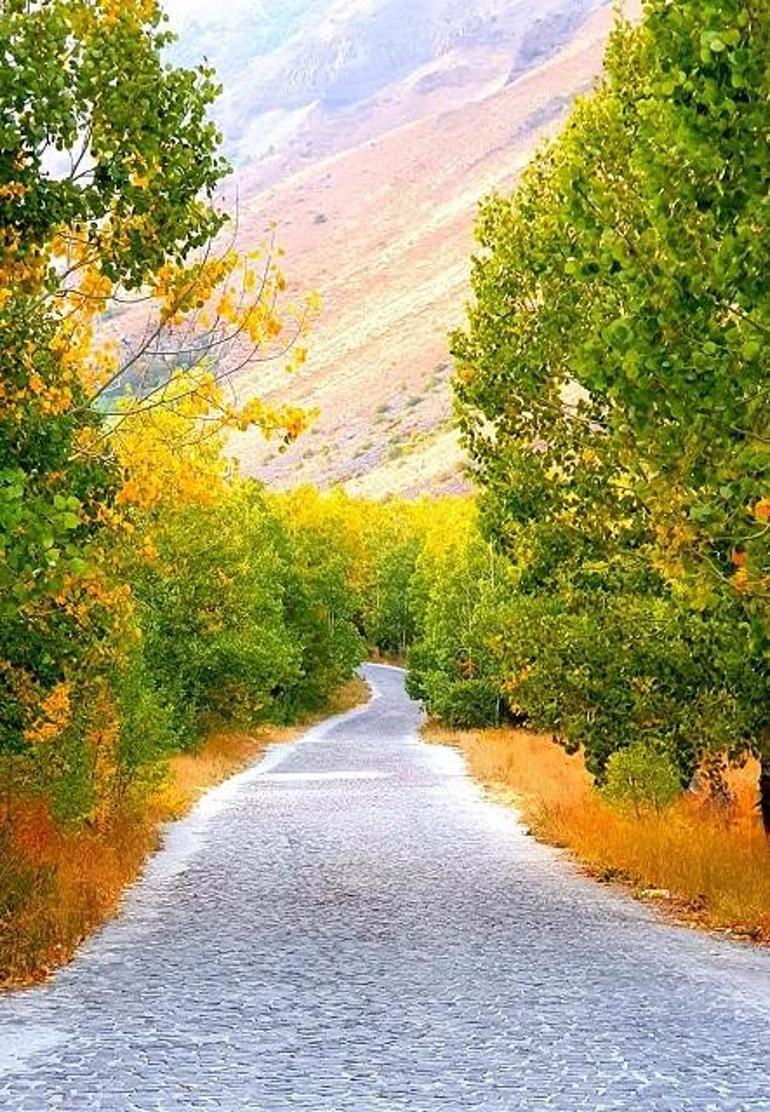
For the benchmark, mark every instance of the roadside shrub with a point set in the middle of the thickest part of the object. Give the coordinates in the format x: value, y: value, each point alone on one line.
x: 463, y: 704
x: 604, y: 672
x: 641, y: 777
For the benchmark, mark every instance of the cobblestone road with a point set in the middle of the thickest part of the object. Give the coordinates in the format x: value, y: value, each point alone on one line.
x: 350, y: 925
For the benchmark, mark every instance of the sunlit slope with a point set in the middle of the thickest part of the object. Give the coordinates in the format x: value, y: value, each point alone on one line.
x: 384, y: 231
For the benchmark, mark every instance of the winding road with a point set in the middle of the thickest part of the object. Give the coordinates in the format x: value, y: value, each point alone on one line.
x: 350, y: 925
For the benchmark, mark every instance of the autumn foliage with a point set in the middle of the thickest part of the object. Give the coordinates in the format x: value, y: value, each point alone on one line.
x: 145, y: 592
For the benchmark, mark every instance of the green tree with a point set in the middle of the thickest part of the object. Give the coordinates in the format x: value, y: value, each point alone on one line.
x: 456, y: 665
x: 211, y: 606
x: 612, y: 383
x: 323, y: 599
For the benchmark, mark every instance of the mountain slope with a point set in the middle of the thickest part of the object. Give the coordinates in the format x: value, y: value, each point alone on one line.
x: 369, y: 137
x: 281, y: 58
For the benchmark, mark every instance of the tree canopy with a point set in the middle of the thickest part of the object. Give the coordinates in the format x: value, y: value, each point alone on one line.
x: 109, y: 170
x: 612, y: 388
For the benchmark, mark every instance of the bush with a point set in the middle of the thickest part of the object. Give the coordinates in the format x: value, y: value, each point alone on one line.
x: 463, y: 704
x: 641, y: 777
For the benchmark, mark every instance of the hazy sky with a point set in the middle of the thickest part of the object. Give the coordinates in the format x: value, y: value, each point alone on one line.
x: 208, y: 11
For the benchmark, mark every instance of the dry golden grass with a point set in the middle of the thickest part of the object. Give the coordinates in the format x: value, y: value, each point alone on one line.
x: 58, y: 884
x: 706, y: 865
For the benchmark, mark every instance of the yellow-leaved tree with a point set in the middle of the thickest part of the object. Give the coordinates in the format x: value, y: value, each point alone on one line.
x: 126, y: 313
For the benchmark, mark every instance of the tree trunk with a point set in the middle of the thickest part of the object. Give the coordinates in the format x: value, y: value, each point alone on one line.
x: 764, y: 789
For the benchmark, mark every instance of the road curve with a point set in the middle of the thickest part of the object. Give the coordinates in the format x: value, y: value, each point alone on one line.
x: 349, y: 925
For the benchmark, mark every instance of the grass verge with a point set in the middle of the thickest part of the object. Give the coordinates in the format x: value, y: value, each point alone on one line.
x: 58, y: 885
x: 707, y: 866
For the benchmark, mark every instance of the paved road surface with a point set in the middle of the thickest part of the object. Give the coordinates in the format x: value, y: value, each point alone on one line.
x: 350, y: 926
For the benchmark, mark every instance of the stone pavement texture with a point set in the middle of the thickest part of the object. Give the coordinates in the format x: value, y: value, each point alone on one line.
x: 349, y: 925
